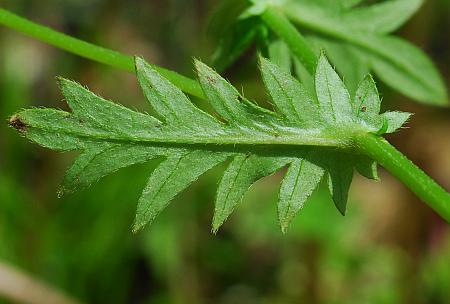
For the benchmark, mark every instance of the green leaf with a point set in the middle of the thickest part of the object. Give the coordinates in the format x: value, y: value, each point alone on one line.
x: 367, y: 167
x: 395, y: 120
x: 333, y: 97
x: 235, y: 42
x: 313, y: 137
x: 367, y: 104
x: 172, y: 176
x: 227, y: 101
x: 289, y: 96
x: 242, y: 172
x: 99, y: 160
x: 398, y: 63
x: 301, y: 179
x: 340, y: 175
x: 384, y: 17
x: 352, y: 71
x: 279, y: 54
x: 407, y: 69
x: 162, y: 94
x: 349, y: 3
x: 305, y: 78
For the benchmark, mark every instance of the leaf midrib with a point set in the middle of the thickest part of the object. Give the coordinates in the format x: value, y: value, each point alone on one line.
x: 308, y: 139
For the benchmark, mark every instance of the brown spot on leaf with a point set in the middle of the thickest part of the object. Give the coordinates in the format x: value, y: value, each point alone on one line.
x: 18, y: 124
x: 210, y: 79
x: 363, y: 109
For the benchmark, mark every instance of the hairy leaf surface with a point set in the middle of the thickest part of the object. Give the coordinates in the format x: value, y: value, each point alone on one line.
x: 312, y: 136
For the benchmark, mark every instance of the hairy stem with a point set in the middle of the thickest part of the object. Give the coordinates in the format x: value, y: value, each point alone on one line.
x: 298, y: 45
x: 91, y: 51
x: 412, y: 176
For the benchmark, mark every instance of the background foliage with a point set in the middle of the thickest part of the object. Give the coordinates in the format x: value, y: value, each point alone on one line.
x: 388, y: 249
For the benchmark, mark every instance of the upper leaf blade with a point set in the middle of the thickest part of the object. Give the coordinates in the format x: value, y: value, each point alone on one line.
x: 243, y: 171
x: 340, y: 175
x: 97, y: 112
x: 338, y: 53
x: 383, y: 17
x: 289, y: 96
x: 171, y: 177
x: 333, y: 97
x: 367, y: 104
x: 395, y: 120
x: 100, y: 160
x: 227, y: 101
x: 168, y: 100
x: 301, y: 179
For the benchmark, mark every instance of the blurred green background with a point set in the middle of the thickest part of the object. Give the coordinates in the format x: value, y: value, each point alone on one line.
x: 390, y: 248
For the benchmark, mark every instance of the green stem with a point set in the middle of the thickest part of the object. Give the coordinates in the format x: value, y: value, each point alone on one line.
x: 298, y: 45
x: 91, y: 51
x: 412, y: 176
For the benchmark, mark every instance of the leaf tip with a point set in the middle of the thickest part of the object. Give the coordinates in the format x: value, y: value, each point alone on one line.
x: 262, y: 61
x: 342, y: 210
x: 17, y: 122
x: 63, y: 82
x: 203, y: 71
x: 139, y: 63
x: 198, y: 63
x: 322, y: 57
x: 137, y: 226
x: 369, y: 78
x: 217, y: 222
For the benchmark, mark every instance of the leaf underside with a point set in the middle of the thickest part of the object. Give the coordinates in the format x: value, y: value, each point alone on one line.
x: 309, y: 135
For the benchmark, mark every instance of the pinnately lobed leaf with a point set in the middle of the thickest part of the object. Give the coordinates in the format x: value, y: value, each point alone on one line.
x: 312, y: 136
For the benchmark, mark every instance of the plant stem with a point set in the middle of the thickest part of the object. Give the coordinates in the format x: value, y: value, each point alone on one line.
x: 91, y: 51
x: 412, y: 176
x: 298, y: 45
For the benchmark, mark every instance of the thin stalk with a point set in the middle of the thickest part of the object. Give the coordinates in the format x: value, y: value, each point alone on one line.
x: 298, y: 45
x: 412, y: 176
x: 91, y: 51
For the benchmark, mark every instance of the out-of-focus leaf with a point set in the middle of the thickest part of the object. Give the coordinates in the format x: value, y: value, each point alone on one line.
x: 383, y: 17
x: 280, y: 54
x: 239, y: 37
x: 398, y: 63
